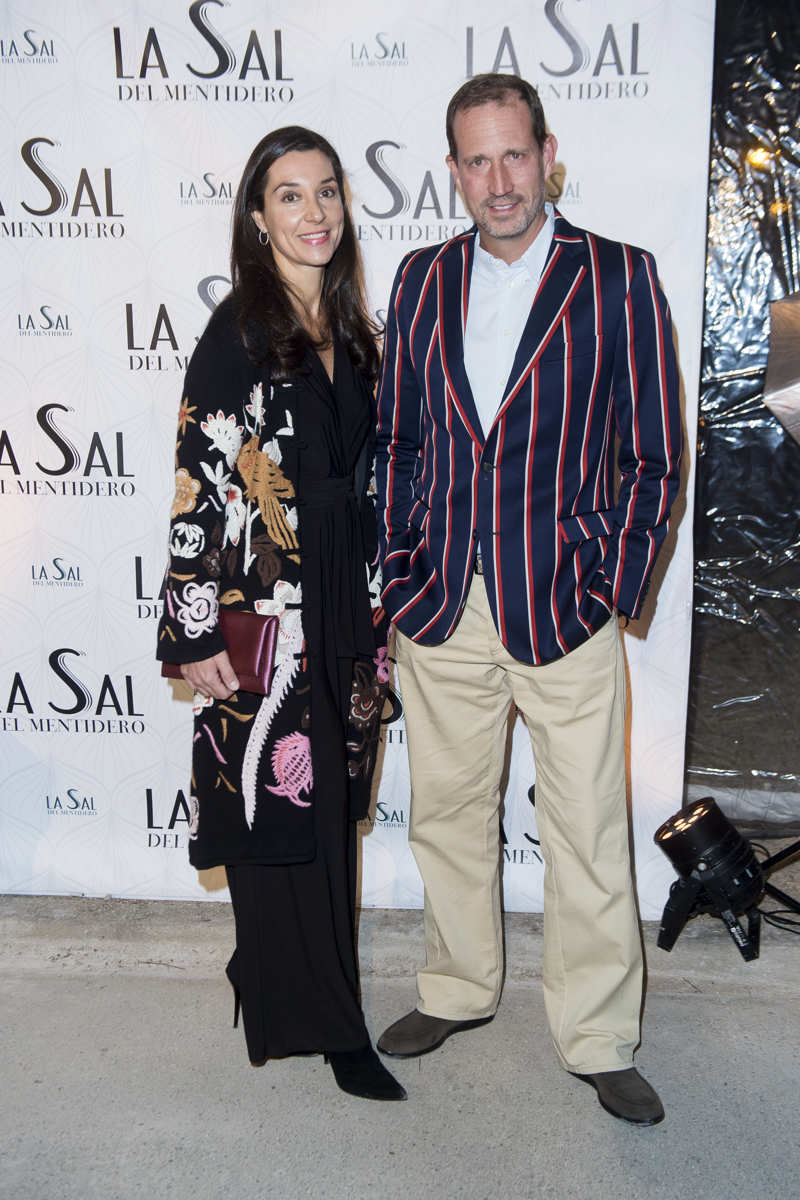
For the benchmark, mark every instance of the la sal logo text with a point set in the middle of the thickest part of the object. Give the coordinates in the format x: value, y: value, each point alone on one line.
x: 45, y: 322
x: 389, y: 818
x: 147, y: 605
x: 162, y: 819
x: 28, y: 47
x: 610, y: 64
x: 56, y: 573
x: 561, y: 190
x: 79, y: 709
x: 425, y: 199
x: 384, y: 817
x: 152, y: 341
x: 89, y: 195
x: 70, y: 804
x: 382, y: 51
x: 205, y: 190
x: 149, y: 65
x: 99, y: 463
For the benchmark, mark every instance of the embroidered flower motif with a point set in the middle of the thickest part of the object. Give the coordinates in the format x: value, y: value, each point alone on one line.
x: 200, y: 702
x: 272, y: 450
x: 291, y: 763
x: 374, y: 585
x: 186, y: 540
x: 225, y: 435
x: 268, y: 562
x: 285, y: 603
x: 365, y: 696
x: 185, y: 415
x: 360, y: 752
x: 382, y: 664
x: 194, y: 817
x: 235, y: 514
x: 256, y: 405
x: 186, y: 490
x: 198, y: 610
x: 218, y: 476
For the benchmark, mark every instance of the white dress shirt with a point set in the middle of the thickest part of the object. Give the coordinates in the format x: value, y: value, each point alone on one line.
x: 500, y: 299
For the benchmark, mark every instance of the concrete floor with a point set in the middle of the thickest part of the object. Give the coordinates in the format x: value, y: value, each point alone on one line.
x: 122, y: 1077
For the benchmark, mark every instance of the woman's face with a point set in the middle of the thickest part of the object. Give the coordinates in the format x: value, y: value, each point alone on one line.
x: 303, y: 211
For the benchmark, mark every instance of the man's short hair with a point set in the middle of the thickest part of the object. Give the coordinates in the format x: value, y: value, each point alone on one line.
x: 498, y: 89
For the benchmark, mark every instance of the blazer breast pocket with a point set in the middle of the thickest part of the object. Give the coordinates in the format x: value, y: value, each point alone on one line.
x: 557, y: 350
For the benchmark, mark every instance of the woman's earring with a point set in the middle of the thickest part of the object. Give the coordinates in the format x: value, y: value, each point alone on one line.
x: 263, y: 237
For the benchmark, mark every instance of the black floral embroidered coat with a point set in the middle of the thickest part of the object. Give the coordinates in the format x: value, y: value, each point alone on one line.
x: 273, y: 513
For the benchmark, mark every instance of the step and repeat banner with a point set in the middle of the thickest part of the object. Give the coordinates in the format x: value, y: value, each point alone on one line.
x: 124, y: 134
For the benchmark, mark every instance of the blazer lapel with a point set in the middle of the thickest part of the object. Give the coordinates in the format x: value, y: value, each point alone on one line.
x: 566, y: 266
x: 454, y: 271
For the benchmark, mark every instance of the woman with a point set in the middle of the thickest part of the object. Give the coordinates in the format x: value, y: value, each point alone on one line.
x: 271, y: 514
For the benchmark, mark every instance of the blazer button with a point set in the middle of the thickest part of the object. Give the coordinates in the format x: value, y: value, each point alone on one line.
x: 487, y: 467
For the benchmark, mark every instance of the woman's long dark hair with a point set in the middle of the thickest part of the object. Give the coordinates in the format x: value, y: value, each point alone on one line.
x: 267, y: 319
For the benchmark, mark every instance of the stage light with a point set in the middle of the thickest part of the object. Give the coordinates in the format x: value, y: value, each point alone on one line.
x: 718, y: 874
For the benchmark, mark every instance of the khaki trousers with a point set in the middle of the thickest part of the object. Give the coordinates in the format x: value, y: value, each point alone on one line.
x: 457, y: 698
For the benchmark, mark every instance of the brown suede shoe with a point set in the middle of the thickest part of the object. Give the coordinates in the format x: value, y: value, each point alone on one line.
x: 625, y: 1094
x: 417, y: 1033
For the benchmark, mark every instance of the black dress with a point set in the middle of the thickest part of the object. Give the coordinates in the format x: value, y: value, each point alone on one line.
x: 295, y: 962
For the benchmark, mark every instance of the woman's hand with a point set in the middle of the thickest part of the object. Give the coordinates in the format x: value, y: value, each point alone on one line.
x: 212, y: 676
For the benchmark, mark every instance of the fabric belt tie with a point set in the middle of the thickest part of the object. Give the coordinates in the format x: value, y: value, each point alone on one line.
x: 318, y: 492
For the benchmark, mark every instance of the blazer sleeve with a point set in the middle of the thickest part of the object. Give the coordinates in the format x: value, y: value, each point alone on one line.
x: 399, y: 434
x: 210, y: 435
x: 648, y: 421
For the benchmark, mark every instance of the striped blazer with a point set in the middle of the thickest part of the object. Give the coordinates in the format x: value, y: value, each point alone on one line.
x: 566, y: 534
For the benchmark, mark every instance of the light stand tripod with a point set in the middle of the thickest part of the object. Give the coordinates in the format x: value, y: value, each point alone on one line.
x: 769, y: 864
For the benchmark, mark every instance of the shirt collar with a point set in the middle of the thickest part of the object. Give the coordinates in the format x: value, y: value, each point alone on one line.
x: 530, y: 263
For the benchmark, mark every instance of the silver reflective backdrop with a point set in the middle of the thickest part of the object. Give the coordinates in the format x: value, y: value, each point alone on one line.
x: 743, y: 738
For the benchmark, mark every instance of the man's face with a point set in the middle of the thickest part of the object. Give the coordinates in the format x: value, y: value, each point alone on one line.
x: 501, y: 174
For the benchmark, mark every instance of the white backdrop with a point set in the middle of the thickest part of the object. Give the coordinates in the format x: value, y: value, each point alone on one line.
x: 123, y: 139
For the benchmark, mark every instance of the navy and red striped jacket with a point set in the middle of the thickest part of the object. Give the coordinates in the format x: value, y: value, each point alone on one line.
x: 595, y: 365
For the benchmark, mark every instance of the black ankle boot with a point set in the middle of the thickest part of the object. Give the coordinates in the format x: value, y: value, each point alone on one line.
x: 361, y: 1073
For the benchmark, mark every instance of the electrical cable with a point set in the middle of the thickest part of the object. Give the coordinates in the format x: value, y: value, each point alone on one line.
x: 776, y: 918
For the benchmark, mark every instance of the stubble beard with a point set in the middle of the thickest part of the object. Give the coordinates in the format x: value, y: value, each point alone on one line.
x: 530, y: 214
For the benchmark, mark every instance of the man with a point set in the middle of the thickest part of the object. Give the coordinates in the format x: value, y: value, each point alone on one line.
x: 514, y: 356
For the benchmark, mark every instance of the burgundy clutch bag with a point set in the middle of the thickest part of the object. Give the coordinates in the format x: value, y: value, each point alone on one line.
x: 251, y: 640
